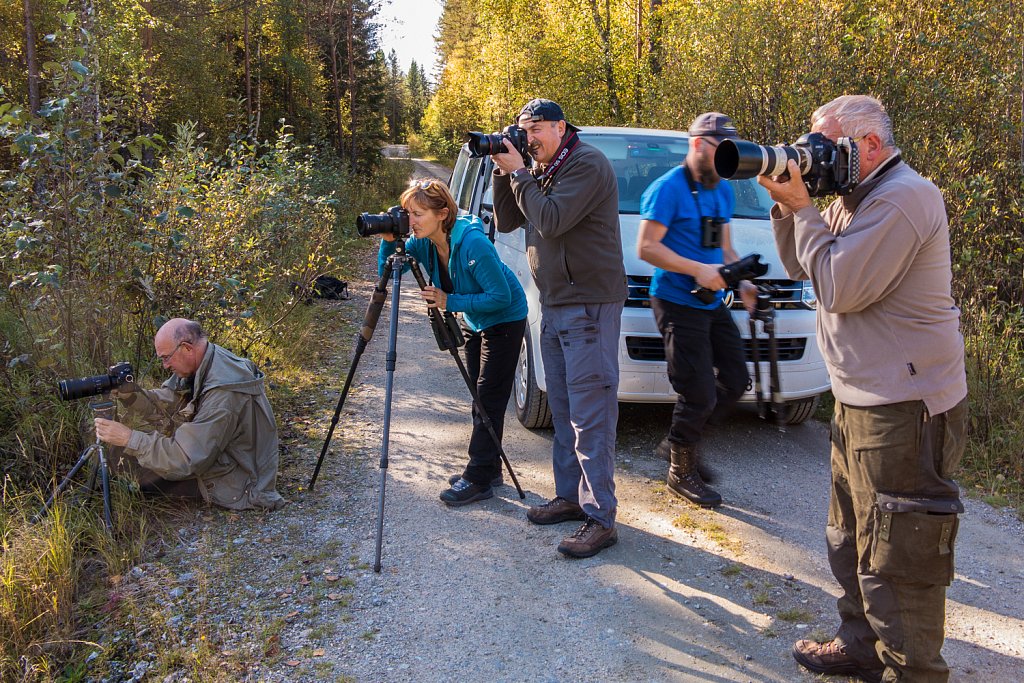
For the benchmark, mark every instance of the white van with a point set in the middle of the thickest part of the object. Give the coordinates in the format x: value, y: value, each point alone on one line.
x: 639, y: 156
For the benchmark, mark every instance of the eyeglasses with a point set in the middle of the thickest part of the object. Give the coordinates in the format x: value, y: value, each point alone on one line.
x: 425, y: 185
x: 166, y: 357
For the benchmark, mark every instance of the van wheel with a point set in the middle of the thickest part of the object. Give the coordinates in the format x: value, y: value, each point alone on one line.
x: 799, y: 411
x: 531, y: 403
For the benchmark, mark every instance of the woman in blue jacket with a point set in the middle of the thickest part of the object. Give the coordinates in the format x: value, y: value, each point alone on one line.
x: 466, y: 276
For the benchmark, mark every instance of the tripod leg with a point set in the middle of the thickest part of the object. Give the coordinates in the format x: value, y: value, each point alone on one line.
x: 108, y: 519
x: 773, y: 365
x: 755, y: 356
x: 442, y: 332
x: 389, y: 383
x: 82, y: 459
x: 377, y: 299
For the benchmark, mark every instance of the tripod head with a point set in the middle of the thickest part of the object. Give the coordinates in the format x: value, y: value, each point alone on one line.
x: 763, y: 308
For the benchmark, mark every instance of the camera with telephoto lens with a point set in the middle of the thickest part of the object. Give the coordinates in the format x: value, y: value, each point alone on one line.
x: 482, y: 145
x: 394, y: 221
x: 83, y: 387
x: 826, y: 167
x: 746, y: 268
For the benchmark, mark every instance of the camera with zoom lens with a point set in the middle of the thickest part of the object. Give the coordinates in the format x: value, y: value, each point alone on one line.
x: 826, y: 167
x: 394, y: 221
x: 747, y: 268
x: 482, y: 145
x: 83, y: 387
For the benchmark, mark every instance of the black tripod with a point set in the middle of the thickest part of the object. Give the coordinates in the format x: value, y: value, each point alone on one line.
x: 105, y: 409
x: 448, y: 337
x: 768, y: 407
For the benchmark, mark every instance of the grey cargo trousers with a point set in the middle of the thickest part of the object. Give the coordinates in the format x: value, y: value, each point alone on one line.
x: 579, y: 345
x: 892, y: 523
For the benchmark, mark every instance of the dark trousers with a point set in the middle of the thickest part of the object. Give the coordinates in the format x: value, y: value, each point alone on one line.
x: 894, y: 566
x: 491, y: 358
x: 696, y: 342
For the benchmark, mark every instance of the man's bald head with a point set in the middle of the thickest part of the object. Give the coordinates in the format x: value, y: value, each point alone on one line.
x: 181, y: 344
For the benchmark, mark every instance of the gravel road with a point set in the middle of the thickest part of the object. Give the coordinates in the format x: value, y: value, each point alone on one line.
x: 479, y: 594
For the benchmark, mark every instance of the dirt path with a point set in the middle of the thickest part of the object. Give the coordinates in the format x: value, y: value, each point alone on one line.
x: 479, y: 594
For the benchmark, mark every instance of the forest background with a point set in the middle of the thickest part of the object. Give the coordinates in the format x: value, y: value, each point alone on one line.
x: 206, y: 159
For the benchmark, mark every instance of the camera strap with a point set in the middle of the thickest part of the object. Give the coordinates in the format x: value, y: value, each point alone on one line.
x: 570, y: 143
x: 442, y: 272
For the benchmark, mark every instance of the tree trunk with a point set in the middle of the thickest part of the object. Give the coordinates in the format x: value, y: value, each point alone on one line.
x: 604, y: 33
x: 30, y: 56
x: 248, y: 72
x: 146, y: 89
x: 349, y: 28
x: 332, y: 39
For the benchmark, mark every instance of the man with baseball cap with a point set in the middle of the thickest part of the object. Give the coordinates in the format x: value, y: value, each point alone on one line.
x: 685, y: 234
x: 568, y: 204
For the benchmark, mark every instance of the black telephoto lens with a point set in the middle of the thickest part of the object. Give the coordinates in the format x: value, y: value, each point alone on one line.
x: 73, y: 389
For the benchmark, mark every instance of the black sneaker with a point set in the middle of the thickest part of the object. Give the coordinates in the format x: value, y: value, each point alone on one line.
x: 497, y: 482
x: 464, y: 492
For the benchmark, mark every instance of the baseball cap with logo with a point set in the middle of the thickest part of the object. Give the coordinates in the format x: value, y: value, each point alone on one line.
x: 715, y: 125
x: 540, y: 109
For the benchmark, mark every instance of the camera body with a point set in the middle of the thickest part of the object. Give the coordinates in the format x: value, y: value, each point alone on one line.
x: 83, y: 387
x: 394, y: 221
x: 482, y: 145
x: 747, y: 268
x: 826, y: 167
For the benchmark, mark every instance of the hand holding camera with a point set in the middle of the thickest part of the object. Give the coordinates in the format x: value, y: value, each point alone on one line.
x: 732, y: 274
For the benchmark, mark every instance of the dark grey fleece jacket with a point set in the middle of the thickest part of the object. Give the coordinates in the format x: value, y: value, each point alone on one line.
x: 572, y: 228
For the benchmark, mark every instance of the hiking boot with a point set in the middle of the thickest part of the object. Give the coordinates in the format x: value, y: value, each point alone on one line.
x: 464, y: 492
x: 556, y: 511
x: 831, y: 658
x: 497, y: 482
x: 685, y: 481
x: 664, y: 451
x: 590, y: 539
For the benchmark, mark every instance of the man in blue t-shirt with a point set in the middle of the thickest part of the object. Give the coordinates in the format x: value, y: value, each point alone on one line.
x: 685, y: 235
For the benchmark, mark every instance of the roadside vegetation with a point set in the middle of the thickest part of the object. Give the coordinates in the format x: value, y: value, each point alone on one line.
x: 951, y: 75
x: 156, y: 163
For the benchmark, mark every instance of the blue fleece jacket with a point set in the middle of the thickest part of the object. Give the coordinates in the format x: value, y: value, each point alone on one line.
x: 486, y: 292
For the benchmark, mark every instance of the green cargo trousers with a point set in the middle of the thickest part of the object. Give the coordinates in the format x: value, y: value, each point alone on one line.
x: 892, y: 524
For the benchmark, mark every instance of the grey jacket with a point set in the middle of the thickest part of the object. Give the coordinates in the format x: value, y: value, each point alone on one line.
x: 216, y: 427
x: 879, y: 260
x: 573, y: 243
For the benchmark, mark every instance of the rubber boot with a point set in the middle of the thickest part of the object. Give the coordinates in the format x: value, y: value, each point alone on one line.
x: 684, y: 480
x: 664, y: 451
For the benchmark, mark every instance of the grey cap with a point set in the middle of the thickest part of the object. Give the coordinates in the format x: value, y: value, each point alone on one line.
x: 540, y: 109
x: 713, y: 124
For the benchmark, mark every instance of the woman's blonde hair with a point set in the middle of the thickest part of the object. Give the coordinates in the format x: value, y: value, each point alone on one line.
x: 431, y: 193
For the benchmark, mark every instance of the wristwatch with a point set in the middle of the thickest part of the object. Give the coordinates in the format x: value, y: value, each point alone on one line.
x: 520, y: 172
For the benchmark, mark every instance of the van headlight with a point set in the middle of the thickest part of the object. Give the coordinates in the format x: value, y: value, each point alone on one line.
x: 807, y: 296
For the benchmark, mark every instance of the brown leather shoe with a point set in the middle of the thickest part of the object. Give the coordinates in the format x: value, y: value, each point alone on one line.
x: 588, y: 540
x: 831, y: 658
x: 555, y: 511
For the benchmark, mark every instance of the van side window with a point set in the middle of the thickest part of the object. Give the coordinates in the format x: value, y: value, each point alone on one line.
x: 464, y: 198
x: 458, y: 178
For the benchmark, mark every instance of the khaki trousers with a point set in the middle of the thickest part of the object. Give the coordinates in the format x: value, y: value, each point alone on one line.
x: 891, y: 528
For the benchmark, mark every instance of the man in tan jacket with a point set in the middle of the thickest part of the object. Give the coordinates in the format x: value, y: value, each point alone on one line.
x: 214, y: 427
x: 888, y: 328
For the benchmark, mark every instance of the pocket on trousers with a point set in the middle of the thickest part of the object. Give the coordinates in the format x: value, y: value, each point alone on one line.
x: 581, y: 347
x: 912, y: 538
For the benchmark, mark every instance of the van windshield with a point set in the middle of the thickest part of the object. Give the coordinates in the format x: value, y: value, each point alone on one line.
x: 639, y: 159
